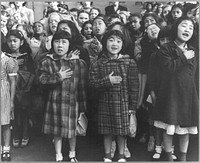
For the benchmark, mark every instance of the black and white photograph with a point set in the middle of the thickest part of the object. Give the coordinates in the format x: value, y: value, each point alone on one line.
x: 99, y: 81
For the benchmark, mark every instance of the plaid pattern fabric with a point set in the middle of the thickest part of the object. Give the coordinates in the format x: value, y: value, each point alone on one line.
x: 66, y: 98
x: 115, y: 100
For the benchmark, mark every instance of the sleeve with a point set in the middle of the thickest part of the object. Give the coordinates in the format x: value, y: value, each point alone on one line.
x: 96, y: 81
x: 152, y: 73
x: 133, y: 85
x: 12, y: 67
x: 171, y: 60
x: 46, y: 76
x: 82, y: 86
x: 31, y: 17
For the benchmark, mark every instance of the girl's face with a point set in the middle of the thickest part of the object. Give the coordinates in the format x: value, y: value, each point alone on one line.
x: 135, y: 22
x: 164, y: 40
x: 53, y: 22
x: 176, y: 13
x: 14, y: 43
x: 166, y: 10
x: 4, y: 21
x: 99, y: 27
x: 88, y: 31
x: 61, y: 46
x: 65, y: 27
x: 83, y: 17
x: 38, y: 28
x: 152, y: 32
x: 23, y: 31
x: 185, y: 30
x: 114, y: 45
x: 93, y: 14
x: 149, y: 20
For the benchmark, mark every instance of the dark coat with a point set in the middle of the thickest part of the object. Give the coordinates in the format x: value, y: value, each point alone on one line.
x: 177, y: 99
x: 109, y: 10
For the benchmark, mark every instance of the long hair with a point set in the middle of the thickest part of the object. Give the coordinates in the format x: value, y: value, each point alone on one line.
x: 25, y: 48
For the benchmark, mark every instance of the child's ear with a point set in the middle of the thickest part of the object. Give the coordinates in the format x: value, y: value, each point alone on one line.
x: 22, y: 42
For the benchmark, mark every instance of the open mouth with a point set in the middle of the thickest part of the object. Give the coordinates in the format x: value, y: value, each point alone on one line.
x: 186, y: 34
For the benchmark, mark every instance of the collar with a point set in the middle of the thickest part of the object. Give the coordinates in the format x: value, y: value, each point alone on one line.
x: 120, y: 58
x: 52, y: 56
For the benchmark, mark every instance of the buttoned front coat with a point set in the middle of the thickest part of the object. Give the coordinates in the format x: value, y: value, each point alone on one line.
x: 115, y: 100
x: 177, y: 99
x: 66, y: 98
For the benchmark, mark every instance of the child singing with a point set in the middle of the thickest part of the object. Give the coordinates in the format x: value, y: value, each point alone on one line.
x: 115, y: 76
x: 66, y: 78
x: 176, y: 107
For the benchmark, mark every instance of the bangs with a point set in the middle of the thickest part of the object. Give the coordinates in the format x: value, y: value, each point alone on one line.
x: 61, y: 35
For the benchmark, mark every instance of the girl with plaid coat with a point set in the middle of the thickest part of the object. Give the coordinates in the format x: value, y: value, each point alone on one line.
x: 65, y: 77
x: 116, y: 78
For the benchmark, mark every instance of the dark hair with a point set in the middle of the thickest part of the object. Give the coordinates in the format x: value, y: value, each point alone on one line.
x: 188, y: 7
x: 164, y: 32
x: 75, y: 34
x: 128, y: 43
x: 25, y: 48
x: 74, y: 10
x: 153, y: 15
x: 112, y: 33
x: 83, y: 11
x: 174, y: 28
x: 60, y: 35
x: 136, y: 14
x: 84, y: 24
x: 102, y: 17
x: 169, y: 16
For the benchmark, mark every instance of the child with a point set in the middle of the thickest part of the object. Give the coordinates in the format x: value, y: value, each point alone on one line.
x: 66, y: 78
x: 176, y: 107
x: 86, y: 30
x: 9, y: 70
x: 35, y: 41
x: 83, y: 16
x: 17, y: 47
x: 154, y: 82
x: 175, y: 13
x: 115, y: 76
x: 94, y: 12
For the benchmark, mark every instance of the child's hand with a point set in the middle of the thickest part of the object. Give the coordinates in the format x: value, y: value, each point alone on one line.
x: 189, y: 54
x: 20, y: 61
x: 65, y: 74
x: 114, y: 79
x: 74, y: 54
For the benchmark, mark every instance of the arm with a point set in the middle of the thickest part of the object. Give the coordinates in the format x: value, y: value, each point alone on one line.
x: 46, y: 75
x: 82, y: 86
x: 172, y: 60
x: 12, y: 91
x: 96, y: 81
x: 133, y: 85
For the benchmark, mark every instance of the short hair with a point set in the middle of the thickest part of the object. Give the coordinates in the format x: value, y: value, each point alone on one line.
x: 164, y: 32
x: 135, y: 14
x: 84, y: 24
x: 112, y: 33
x: 174, y: 28
x: 60, y: 35
x: 153, y: 15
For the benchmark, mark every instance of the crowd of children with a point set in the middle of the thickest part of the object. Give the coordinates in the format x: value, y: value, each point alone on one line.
x: 75, y: 61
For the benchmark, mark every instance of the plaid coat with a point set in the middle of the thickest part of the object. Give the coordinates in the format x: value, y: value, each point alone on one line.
x: 67, y: 98
x: 115, y: 101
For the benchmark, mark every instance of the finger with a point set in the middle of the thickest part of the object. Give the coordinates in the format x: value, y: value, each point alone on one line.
x: 67, y: 70
x: 111, y: 73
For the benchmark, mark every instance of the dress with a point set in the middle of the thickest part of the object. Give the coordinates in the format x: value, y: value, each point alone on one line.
x: 177, y: 98
x: 67, y: 98
x: 8, y: 67
x: 115, y: 101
